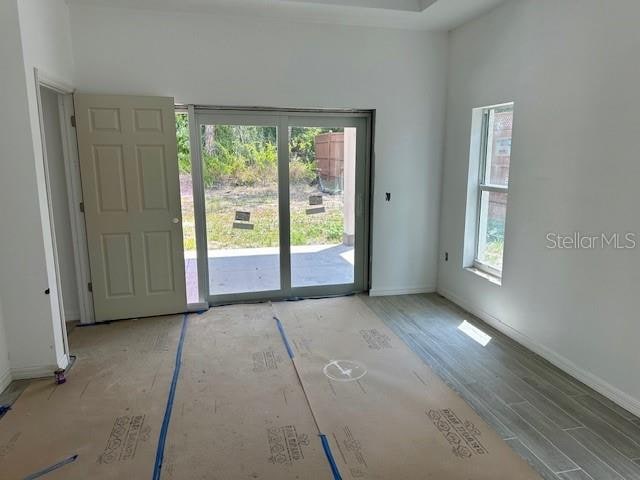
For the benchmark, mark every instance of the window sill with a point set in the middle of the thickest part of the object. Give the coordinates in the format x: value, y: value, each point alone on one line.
x: 487, y: 276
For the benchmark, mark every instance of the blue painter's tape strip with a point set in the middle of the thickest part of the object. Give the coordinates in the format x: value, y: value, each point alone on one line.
x: 50, y: 469
x: 284, y: 337
x: 167, y: 411
x: 331, y: 460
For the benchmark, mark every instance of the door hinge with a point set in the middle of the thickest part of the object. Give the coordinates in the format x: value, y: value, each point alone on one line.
x: 82, y: 207
x: 73, y: 121
x: 90, y: 286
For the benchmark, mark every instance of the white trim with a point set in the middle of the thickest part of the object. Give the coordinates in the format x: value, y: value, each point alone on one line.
x: 52, y: 230
x: 46, y: 80
x: 598, y: 384
x: 488, y: 269
x: 63, y: 361
x: 485, y: 275
x: 5, y: 379
x: 74, y: 192
x: 382, y: 292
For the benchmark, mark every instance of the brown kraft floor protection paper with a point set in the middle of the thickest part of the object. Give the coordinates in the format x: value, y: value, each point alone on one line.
x: 399, y: 421
x: 240, y: 411
x: 109, y: 411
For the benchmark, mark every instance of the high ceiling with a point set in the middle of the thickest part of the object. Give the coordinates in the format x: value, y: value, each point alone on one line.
x: 409, y: 14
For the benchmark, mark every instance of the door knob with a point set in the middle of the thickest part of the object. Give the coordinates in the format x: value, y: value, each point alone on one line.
x: 175, y: 220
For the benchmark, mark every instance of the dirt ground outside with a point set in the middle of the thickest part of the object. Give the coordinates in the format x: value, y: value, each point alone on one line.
x: 261, y: 201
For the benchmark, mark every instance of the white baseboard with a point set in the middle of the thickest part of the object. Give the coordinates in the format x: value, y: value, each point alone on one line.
x: 38, y: 371
x: 5, y: 379
x: 598, y: 384
x: 381, y: 292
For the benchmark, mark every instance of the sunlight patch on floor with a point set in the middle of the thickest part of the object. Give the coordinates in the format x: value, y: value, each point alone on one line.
x: 474, y: 333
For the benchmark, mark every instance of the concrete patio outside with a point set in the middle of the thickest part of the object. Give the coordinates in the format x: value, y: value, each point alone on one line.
x: 258, y: 269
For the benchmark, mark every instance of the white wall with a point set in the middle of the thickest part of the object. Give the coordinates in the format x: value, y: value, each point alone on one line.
x: 23, y: 277
x: 206, y: 59
x: 5, y: 368
x: 573, y: 70
x: 46, y: 44
x: 30, y: 35
x: 60, y: 203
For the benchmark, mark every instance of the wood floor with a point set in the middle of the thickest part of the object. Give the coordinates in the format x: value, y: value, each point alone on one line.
x: 566, y: 430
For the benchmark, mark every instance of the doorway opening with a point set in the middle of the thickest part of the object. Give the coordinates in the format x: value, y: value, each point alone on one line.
x: 282, y: 208
x: 59, y: 204
x: 64, y: 201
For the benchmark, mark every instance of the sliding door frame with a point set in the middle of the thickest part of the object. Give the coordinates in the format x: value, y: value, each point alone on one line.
x: 360, y: 263
x: 282, y: 119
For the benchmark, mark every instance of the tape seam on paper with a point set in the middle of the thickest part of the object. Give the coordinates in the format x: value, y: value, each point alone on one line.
x: 51, y: 468
x: 167, y: 412
x: 284, y: 337
x: 332, y: 463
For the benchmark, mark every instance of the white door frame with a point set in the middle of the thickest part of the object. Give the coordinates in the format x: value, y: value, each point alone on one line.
x: 74, y: 196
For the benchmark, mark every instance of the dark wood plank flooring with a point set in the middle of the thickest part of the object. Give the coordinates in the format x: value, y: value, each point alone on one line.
x: 566, y: 430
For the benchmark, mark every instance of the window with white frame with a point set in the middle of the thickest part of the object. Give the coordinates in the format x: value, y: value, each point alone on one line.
x: 493, y: 187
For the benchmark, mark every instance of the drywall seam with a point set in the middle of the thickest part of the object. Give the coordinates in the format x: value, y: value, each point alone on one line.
x: 381, y: 292
x: 598, y: 384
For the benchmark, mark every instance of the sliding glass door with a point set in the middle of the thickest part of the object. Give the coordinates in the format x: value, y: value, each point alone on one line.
x: 325, y: 203
x: 283, y: 207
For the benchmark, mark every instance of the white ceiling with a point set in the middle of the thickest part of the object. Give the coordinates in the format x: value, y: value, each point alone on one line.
x: 409, y: 14
x: 401, y: 5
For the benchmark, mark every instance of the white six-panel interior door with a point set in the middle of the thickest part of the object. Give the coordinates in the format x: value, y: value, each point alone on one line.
x: 128, y: 162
